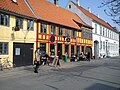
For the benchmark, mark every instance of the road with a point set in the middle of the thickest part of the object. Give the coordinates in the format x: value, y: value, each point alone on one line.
x: 103, y: 74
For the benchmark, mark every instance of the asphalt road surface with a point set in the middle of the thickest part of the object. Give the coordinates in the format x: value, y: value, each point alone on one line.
x: 103, y: 74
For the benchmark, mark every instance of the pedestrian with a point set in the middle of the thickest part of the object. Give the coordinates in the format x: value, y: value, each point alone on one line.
x: 37, y: 61
x: 46, y: 59
x: 88, y: 56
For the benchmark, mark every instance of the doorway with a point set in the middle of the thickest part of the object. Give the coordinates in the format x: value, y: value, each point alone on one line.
x: 22, y: 54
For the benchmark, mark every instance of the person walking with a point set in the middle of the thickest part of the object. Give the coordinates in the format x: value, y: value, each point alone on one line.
x: 37, y: 61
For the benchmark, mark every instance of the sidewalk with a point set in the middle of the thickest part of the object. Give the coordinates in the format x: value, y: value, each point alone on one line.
x: 30, y: 69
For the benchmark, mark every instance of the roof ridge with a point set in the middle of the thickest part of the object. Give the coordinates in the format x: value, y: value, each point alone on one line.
x: 93, y: 15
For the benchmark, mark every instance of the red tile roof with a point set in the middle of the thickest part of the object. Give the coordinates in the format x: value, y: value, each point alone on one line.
x: 86, y: 12
x: 20, y: 7
x: 55, y: 14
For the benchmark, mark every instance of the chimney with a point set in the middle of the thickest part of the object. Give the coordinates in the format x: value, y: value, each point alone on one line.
x: 56, y: 2
x: 89, y: 9
x: 77, y: 1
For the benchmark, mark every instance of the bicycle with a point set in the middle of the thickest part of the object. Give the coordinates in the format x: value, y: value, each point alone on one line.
x: 5, y: 63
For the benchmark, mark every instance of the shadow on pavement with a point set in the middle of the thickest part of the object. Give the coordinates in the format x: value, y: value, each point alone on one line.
x: 99, y: 86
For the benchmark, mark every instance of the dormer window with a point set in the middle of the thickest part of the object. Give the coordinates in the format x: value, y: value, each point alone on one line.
x: 69, y: 6
x: 15, y: 1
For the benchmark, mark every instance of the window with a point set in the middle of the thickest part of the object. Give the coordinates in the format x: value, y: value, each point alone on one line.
x: 87, y: 34
x: 95, y: 28
x: 83, y: 33
x: 52, y: 49
x: 60, y: 32
x: 74, y: 33
x: 4, y: 19
x: 108, y: 46
x: 30, y: 24
x: 67, y: 32
x: 100, y: 30
x: 43, y: 28
x: 3, y: 48
x: 106, y: 32
x: 100, y: 44
x: 53, y: 29
x: 43, y: 48
x: 103, y: 45
x: 72, y: 50
x: 110, y: 34
x: 19, y: 22
x: 91, y: 34
x: 103, y: 32
x: 69, y: 6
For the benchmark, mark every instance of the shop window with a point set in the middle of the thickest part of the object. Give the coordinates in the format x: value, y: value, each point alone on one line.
x: 83, y: 49
x: 3, y: 48
x: 72, y: 50
x: 78, y: 51
x: 52, y: 50
x: 43, y: 48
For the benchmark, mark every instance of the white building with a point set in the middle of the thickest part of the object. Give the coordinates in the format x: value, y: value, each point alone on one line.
x: 105, y: 37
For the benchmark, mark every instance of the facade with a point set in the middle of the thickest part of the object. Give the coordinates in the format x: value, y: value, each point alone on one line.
x: 105, y: 37
x: 59, y: 30
x: 17, y: 32
x: 119, y: 42
x: 25, y: 26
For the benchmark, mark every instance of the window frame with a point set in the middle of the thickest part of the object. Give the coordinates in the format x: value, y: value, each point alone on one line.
x: 6, y: 19
x: 60, y: 31
x: 53, y: 29
x: 74, y: 33
x: 29, y: 26
x: 4, y: 48
x: 19, y: 22
x: 52, y: 49
x: 43, y: 28
x: 67, y: 32
x: 95, y: 28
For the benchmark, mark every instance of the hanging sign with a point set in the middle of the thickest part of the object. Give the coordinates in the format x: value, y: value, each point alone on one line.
x: 68, y: 39
x: 52, y: 38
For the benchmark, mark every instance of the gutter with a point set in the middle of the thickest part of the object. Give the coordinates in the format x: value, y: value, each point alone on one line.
x: 16, y: 14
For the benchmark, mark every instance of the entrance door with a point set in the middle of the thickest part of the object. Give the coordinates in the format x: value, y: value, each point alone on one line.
x: 78, y: 51
x: 22, y: 54
x: 96, y: 49
x: 72, y: 50
x: 67, y: 49
x: 60, y: 50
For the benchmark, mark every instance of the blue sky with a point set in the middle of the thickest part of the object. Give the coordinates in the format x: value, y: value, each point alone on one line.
x: 93, y: 4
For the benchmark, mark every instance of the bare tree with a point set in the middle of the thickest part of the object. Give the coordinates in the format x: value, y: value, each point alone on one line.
x: 113, y: 9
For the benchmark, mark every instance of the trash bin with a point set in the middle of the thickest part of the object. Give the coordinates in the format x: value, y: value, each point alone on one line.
x: 65, y: 58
